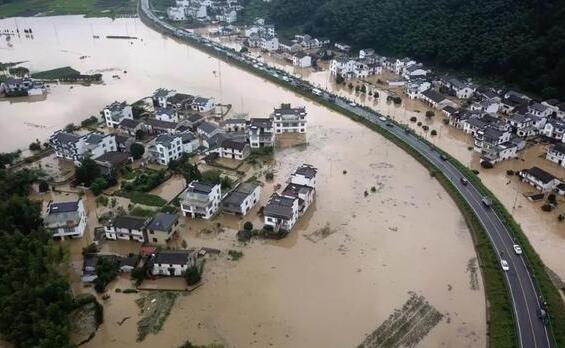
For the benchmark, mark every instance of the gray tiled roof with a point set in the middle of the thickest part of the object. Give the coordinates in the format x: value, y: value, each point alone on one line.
x: 162, y: 222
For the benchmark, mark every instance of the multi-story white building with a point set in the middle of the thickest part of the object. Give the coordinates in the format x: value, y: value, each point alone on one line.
x: 287, y: 119
x: 304, y: 175
x: 241, y: 200
x: 167, y: 114
x: 65, y: 219
x: 116, y: 112
x: 167, y: 147
x: 281, y: 213
x: 75, y: 147
x: 201, y: 199
x: 556, y: 153
x: 260, y: 132
x: 161, y: 97
x: 127, y: 228
x: 161, y: 228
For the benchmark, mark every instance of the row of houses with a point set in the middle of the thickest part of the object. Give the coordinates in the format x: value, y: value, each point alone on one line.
x: 204, y: 11
x: 16, y: 87
x: 542, y: 180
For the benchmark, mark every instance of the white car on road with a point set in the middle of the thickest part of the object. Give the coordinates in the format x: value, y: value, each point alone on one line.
x: 382, y: 118
x: 504, y: 265
x: 517, y: 249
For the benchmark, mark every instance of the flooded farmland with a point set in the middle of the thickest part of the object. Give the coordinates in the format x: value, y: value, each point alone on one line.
x: 350, y: 261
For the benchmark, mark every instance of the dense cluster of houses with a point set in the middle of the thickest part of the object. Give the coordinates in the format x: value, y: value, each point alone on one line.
x: 224, y: 11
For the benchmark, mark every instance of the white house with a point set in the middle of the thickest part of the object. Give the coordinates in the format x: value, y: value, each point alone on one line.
x: 304, y: 175
x: 301, y: 60
x: 287, y: 119
x: 161, y: 228
x: 281, y: 213
x: 189, y: 142
x: 201, y: 199
x: 343, y: 66
x: 342, y: 47
x: 166, y: 147
x: 172, y: 262
x: 65, y: 219
x: 260, y: 133
x: 161, y: 97
x: 75, y: 147
x: 235, y: 125
x: 203, y: 104
x: 556, y: 153
x: 116, y: 112
x: 435, y: 99
x: 233, y: 149
x: 242, y: 199
x: 208, y: 129
x: 540, y: 179
x: 127, y: 228
x: 167, y: 114
x: 463, y: 90
x: 540, y: 109
x: 555, y: 129
x: 270, y: 43
x: 176, y: 13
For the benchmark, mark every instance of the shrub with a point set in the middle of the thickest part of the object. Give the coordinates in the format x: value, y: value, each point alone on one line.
x: 365, y: 193
x: 344, y: 172
x: 551, y: 198
x: 98, y: 185
x: 339, y: 79
x: 430, y: 114
x: 92, y: 120
x: 373, y: 189
x: 446, y: 121
x: 43, y: 186
x: 35, y: 146
x: 419, y: 124
x: 433, y: 132
x: 425, y: 128
x: 413, y: 119
x: 509, y: 172
x: 547, y: 207
x: 192, y: 276
x: 248, y: 225
x: 487, y: 165
x: 269, y: 176
x: 102, y: 200
x: 235, y: 254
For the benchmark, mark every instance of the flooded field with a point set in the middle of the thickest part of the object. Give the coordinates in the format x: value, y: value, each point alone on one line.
x: 350, y: 261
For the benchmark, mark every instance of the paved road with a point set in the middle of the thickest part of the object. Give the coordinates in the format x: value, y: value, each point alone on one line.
x: 532, y: 333
x: 531, y: 330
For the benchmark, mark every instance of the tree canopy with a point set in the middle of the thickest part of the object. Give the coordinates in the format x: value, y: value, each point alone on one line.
x: 520, y: 42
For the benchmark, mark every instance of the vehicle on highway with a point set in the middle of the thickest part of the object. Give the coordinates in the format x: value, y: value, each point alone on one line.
x: 517, y: 249
x: 407, y: 130
x: 382, y: 118
x: 443, y: 157
x: 542, y: 314
x: 464, y: 181
x: 486, y: 202
x: 504, y: 265
x: 389, y: 124
x: 316, y: 91
x: 352, y: 104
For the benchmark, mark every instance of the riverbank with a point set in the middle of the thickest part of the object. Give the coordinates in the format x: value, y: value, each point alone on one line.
x: 89, y: 8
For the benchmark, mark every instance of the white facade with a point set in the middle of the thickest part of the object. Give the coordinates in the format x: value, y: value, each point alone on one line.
x: 270, y: 44
x: 556, y: 154
x: 242, y: 199
x: 286, y: 218
x: 201, y: 200
x: 167, y: 114
x: 115, y: 113
x: 302, y: 61
x: 176, y: 13
x: 260, y: 133
x: 66, y: 220
x: 167, y: 148
x: 289, y: 120
x: 75, y: 147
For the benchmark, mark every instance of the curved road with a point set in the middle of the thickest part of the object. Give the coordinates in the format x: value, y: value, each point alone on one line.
x: 532, y: 332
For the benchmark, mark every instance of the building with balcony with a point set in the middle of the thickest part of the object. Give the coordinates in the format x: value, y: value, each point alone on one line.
x: 161, y: 228
x: 201, y: 199
x: 260, y: 133
x: 65, y: 219
x: 287, y: 119
x: 116, y: 112
x: 241, y: 200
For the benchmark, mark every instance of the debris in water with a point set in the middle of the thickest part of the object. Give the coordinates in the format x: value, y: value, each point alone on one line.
x: 406, y: 326
x: 473, y: 274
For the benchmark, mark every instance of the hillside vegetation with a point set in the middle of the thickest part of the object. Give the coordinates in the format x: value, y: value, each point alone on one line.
x: 93, y: 8
x: 520, y: 42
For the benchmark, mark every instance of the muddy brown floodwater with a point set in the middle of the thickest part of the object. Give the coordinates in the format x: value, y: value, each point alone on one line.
x: 349, y: 262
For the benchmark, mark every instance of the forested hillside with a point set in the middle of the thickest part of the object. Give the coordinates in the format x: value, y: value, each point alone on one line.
x: 521, y: 42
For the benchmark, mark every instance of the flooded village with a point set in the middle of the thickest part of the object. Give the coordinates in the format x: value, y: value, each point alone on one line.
x: 238, y: 213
